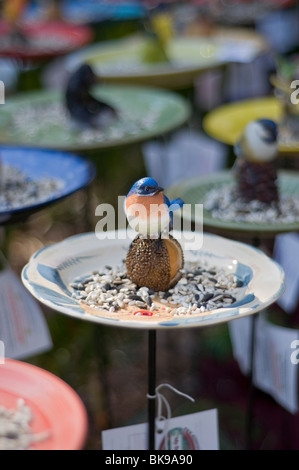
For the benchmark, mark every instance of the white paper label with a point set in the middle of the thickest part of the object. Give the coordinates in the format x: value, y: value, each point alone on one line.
x: 286, y: 253
x: 23, y: 329
x: 241, y: 52
x: 196, y: 431
x: 274, y: 371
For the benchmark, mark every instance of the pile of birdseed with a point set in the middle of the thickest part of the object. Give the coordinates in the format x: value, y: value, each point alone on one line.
x: 287, y: 137
x: 38, y: 122
x: 15, y: 430
x: 199, y: 290
x: 224, y: 204
x: 18, y: 190
x: 132, y: 67
x: 37, y: 43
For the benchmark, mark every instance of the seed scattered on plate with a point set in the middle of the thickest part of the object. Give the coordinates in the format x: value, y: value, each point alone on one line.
x: 34, y: 122
x: 15, y: 429
x: 224, y: 204
x: 37, y: 43
x: 200, y: 289
x: 19, y: 190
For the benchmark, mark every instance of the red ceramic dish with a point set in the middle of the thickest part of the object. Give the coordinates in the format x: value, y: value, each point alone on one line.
x: 67, y: 37
x: 55, y: 406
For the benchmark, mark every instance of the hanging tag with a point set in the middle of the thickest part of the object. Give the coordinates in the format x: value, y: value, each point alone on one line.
x: 23, y: 329
x: 240, y: 334
x: 196, y: 431
x: 274, y: 370
x: 275, y: 373
x: 286, y: 253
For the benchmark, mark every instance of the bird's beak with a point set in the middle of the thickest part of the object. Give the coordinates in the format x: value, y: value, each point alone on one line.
x: 159, y: 190
x: 271, y: 131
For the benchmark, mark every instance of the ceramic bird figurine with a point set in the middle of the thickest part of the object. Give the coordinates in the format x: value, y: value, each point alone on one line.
x: 12, y: 14
x: 155, y: 258
x: 148, y: 210
x: 158, y: 32
x: 255, y: 167
x: 85, y: 110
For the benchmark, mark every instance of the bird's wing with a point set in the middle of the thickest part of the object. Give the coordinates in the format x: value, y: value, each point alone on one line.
x: 166, y: 200
x: 177, y: 202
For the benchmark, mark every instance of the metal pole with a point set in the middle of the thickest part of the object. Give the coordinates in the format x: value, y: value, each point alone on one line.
x: 151, y: 388
x: 250, y: 404
x: 251, y: 392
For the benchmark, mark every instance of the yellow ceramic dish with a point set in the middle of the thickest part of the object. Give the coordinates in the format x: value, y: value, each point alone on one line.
x: 227, y: 122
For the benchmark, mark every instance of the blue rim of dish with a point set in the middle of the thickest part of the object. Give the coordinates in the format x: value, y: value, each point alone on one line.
x: 8, y: 155
x: 92, y: 11
x: 102, y: 11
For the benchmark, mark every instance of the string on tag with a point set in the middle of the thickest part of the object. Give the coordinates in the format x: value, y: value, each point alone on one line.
x: 163, y: 401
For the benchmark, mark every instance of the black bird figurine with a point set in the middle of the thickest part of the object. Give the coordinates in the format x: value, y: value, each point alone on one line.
x: 85, y: 110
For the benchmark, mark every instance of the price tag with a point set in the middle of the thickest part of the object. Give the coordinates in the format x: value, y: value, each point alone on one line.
x: 274, y: 370
x: 286, y: 253
x: 23, y: 329
x: 196, y: 431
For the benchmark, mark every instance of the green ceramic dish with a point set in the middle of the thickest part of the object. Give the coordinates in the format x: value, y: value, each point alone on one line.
x: 122, y: 61
x: 39, y: 119
x: 195, y: 191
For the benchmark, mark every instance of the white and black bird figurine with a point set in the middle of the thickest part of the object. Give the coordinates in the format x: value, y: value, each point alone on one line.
x: 255, y: 167
x: 85, y: 110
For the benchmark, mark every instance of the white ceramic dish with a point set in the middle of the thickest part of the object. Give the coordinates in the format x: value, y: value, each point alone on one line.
x: 51, y: 270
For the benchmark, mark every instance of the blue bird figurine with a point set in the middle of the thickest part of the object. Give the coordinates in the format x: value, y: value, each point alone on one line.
x: 155, y: 258
x: 148, y: 209
x: 255, y: 167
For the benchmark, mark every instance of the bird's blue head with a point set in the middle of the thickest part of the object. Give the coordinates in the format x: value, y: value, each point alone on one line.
x: 145, y: 187
x: 270, y: 133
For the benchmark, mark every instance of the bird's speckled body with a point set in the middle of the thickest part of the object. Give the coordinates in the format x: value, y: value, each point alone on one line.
x: 255, y: 167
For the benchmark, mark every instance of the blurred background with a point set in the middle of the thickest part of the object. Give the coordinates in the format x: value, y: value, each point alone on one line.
x: 209, y: 54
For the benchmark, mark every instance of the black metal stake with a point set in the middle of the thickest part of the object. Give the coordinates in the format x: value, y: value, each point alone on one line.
x: 151, y: 388
x: 251, y: 391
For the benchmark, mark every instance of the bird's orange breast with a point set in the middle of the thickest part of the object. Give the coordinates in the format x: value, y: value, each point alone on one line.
x: 149, y: 205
